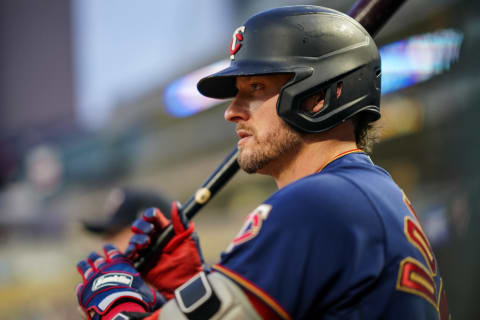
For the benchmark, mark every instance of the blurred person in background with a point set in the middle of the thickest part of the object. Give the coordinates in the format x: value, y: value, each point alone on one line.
x: 27, y: 204
x: 122, y: 206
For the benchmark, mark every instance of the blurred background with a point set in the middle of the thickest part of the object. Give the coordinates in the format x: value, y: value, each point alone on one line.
x: 100, y: 94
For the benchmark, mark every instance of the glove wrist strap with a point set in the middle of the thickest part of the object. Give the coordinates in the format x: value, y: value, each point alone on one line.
x: 196, y: 298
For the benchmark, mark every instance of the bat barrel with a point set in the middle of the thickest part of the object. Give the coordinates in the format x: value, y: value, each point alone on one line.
x: 373, y: 14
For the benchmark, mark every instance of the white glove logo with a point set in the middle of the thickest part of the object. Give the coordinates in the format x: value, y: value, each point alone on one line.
x: 112, y: 279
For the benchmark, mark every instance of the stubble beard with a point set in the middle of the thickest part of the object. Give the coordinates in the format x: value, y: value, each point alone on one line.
x: 280, y: 141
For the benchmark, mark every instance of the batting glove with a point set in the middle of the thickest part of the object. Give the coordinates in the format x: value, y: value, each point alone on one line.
x: 111, y: 283
x: 181, y: 259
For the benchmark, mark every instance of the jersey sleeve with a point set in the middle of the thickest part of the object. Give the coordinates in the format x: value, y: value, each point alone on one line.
x: 314, y: 244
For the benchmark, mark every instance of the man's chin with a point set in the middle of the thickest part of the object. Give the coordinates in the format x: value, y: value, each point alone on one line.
x: 245, y: 160
x: 251, y: 162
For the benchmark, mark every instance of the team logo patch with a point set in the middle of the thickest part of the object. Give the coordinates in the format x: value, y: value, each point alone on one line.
x: 251, y: 226
x: 112, y: 279
x: 237, y: 39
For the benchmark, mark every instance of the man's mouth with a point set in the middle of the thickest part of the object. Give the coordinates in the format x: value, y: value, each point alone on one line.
x: 244, y: 135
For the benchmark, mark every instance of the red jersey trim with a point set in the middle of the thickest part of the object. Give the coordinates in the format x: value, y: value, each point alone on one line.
x: 255, y: 290
x: 339, y: 156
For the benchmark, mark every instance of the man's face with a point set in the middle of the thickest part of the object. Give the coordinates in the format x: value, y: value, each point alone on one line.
x: 264, y: 138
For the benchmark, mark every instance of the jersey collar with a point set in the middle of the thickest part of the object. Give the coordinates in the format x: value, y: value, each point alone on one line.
x: 356, y: 150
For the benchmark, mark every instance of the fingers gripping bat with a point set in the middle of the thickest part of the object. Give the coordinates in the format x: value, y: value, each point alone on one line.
x: 372, y: 15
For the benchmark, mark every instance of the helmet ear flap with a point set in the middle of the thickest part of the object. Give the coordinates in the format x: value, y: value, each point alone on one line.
x: 291, y: 105
x: 345, y: 96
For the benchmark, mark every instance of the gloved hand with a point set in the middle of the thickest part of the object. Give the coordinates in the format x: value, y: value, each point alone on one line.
x: 111, y: 284
x: 181, y: 258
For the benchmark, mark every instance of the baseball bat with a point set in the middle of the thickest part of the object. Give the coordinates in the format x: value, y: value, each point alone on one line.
x: 372, y: 15
x: 222, y: 174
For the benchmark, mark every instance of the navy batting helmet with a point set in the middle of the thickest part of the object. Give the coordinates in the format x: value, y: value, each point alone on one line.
x: 322, y: 48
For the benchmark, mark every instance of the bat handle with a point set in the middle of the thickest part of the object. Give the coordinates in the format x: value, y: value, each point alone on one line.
x: 224, y: 172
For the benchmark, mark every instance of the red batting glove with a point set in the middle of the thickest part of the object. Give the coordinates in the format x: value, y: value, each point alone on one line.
x: 181, y: 258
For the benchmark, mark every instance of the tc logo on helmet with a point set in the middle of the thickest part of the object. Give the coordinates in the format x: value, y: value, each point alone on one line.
x: 237, y: 39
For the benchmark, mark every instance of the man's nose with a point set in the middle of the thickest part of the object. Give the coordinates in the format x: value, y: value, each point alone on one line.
x: 237, y: 110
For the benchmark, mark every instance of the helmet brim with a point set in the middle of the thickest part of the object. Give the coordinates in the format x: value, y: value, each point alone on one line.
x: 222, y: 85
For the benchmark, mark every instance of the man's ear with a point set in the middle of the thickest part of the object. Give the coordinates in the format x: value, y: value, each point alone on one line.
x: 314, y: 103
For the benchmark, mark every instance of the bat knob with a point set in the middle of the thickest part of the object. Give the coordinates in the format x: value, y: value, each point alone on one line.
x: 202, y: 195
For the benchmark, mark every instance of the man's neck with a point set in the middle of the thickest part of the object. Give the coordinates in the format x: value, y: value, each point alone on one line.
x: 315, y: 153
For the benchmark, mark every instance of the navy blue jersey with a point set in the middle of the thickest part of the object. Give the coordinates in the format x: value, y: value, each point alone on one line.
x: 343, y: 243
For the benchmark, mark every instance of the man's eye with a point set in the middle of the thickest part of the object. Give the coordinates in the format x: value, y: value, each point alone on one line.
x: 256, y: 86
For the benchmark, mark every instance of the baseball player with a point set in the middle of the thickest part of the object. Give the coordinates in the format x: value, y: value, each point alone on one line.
x: 338, y: 240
